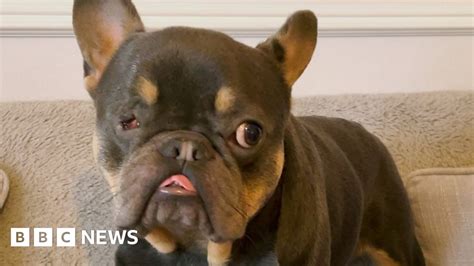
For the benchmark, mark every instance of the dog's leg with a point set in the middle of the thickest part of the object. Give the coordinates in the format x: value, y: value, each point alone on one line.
x: 363, y: 260
x: 143, y: 253
x: 161, y: 240
x: 367, y: 255
x: 218, y: 254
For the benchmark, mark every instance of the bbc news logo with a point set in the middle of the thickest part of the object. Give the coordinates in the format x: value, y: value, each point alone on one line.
x: 66, y: 237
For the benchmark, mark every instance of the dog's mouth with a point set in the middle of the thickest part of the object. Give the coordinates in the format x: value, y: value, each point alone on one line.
x: 177, y: 206
x: 178, y: 185
x: 189, y: 204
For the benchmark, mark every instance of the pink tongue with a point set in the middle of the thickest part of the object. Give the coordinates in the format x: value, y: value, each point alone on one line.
x: 180, y: 180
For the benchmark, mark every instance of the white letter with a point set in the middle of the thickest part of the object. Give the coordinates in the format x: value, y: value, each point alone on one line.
x: 85, y: 235
x: 20, y: 237
x: 132, y: 234
x: 117, y: 235
x: 65, y: 237
x: 101, y: 237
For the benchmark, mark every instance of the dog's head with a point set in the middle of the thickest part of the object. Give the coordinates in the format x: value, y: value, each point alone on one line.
x: 190, y: 123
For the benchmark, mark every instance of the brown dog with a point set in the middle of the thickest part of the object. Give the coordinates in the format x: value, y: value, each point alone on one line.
x: 195, y: 136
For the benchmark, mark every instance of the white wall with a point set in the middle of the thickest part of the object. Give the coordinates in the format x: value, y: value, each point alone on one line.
x: 51, y: 68
x: 370, y: 47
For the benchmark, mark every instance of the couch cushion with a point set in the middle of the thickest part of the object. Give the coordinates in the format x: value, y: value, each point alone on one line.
x: 443, y: 204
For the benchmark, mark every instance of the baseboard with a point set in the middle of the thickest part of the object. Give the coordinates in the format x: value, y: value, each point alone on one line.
x: 52, y: 18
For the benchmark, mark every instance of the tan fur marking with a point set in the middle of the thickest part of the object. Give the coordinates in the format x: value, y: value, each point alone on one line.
x: 111, y: 177
x: 95, y: 147
x: 380, y: 257
x: 147, y: 90
x: 218, y: 254
x: 298, y: 52
x: 90, y: 82
x: 257, y: 189
x: 225, y: 98
x: 161, y: 240
x: 112, y: 180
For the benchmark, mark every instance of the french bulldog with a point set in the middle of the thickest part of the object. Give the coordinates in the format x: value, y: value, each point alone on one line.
x: 195, y: 137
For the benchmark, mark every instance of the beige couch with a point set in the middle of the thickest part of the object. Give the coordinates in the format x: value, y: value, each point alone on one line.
x: 45, y: 150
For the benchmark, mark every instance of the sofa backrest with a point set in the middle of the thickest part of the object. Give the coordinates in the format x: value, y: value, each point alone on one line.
x: 421, y: 130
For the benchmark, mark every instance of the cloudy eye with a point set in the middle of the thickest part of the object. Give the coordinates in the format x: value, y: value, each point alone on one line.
x: 248, y: 134
x: 129, y: 123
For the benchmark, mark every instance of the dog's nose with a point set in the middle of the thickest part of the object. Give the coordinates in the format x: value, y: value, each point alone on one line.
x: 185, y: 149
x: 188, y: 152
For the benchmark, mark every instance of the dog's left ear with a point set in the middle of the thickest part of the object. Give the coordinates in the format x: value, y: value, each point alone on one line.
x: 293, y: 45
x: 101, y: 26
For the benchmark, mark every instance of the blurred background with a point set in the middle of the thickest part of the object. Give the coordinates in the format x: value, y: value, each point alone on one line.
x: 364, y: 46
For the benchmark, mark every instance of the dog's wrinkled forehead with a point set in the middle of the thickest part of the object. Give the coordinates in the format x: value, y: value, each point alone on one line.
x: 188, y: 69
x: 196, y: 68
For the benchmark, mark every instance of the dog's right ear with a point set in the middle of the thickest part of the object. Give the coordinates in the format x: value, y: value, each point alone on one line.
x: 100, y: 27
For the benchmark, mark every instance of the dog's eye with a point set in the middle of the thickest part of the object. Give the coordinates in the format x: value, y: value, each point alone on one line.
x: 129, y: 123
x: 248, y: 134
